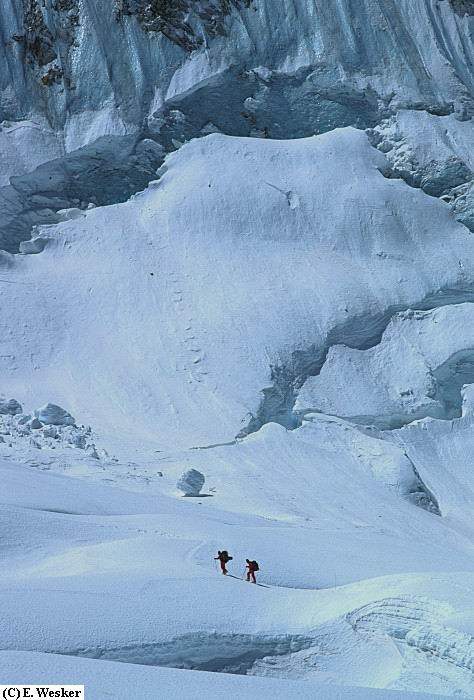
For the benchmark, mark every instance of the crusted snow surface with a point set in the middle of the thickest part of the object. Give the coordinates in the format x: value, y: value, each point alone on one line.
x: 415, y: 371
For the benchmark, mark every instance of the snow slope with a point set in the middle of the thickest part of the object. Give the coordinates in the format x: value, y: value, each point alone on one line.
x: 244, y: 254
x: 159, y: 322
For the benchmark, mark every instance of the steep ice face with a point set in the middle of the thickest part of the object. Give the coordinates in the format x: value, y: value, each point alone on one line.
x: 52, y: 49
x: 24, y: 145
x: 107, y: 172
x: 240, y: 67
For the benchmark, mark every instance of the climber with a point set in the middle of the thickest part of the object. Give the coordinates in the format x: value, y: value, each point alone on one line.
x: 223, y: 558
x: 252, y: 567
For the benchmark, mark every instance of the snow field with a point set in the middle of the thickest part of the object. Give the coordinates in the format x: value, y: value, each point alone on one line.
x: 158, y: 322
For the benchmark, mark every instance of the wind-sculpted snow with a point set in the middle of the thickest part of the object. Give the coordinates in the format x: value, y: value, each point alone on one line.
x: 407, y: 639
x: 119, y: 677
x: 416, y: 625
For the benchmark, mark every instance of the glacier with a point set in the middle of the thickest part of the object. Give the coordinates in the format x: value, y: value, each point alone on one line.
x: 237, y: 240
x: 282, y: 70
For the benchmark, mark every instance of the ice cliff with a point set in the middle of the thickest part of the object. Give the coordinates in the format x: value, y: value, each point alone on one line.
x: 77, y: 74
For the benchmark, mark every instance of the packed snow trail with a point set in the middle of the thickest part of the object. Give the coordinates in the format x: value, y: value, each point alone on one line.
x: 238, y: 578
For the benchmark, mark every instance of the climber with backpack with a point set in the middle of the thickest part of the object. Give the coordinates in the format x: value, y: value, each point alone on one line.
x: 252, y: 567
x: 223, y: 558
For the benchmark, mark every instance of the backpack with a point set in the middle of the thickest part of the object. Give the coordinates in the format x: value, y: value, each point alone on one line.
x: 225, y: 556
x: 255, y: 566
